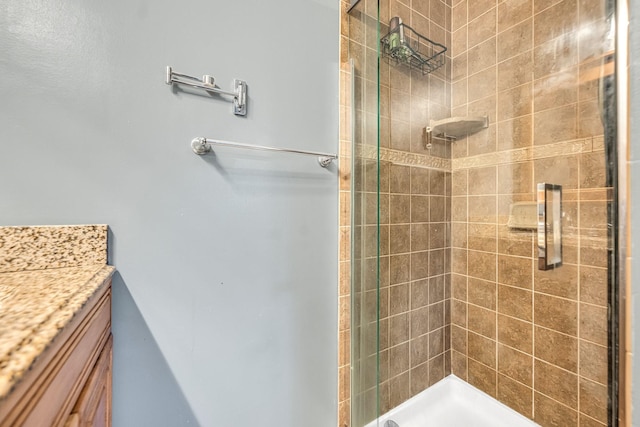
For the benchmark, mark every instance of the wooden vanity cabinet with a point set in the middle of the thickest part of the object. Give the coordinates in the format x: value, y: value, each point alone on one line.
x: 93, y: 407
x: 69, y: 384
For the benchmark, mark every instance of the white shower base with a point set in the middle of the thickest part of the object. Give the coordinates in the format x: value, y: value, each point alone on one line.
x: 453, y: 403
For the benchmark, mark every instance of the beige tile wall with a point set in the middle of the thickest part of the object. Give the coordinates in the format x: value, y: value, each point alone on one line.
x: 534, y: 340
x: 415, y: 284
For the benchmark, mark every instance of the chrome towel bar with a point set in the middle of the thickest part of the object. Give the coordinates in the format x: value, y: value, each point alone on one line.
x: 202, y: 146
x: 207, y: 83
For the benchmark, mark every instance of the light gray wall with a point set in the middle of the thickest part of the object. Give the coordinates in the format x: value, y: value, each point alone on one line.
x: 225, y: 304
x: 634, y: 203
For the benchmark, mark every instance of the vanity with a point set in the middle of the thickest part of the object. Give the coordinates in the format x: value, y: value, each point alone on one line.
x: 55, y: 326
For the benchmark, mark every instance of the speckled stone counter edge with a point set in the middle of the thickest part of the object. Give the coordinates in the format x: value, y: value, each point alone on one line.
x: 21, y: 359
x: 45, y: 247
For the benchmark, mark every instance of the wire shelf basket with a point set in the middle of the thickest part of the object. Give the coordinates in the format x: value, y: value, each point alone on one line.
x: 406, y: 46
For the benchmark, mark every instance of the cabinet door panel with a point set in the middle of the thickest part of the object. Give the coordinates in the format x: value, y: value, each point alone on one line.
x: 94, y: 404
x: 64, y: 383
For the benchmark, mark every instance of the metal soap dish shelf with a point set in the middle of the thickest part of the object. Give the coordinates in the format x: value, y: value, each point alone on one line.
x: 406, y: 46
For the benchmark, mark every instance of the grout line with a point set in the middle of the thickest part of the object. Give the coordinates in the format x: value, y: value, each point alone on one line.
x: 533, y: 302
x: 578, y: 250
x: 497, y: 207
x: 514, y: 25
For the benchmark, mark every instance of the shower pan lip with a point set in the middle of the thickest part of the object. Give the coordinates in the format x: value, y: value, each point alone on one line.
x: 449, y: 397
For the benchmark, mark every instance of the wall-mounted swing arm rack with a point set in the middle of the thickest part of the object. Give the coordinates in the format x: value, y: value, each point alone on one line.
x: 207, y: 83
x: 428, y: 137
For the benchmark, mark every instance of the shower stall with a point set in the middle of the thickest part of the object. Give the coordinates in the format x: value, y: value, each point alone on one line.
x: 482, y: 201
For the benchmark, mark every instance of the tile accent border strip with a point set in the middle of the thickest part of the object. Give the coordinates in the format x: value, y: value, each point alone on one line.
x: 576, y: 146
x: 403, y: 158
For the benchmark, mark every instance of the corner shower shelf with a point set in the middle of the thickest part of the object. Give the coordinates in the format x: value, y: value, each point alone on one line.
x: 457, y: 127
x: 406, y: 46
x: 453, y: 128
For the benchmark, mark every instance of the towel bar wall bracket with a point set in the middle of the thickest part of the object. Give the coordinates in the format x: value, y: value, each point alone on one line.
x: 203, y: 145
x: 207, y: 83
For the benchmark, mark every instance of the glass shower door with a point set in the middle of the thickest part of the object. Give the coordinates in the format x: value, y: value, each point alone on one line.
x: 531, y: 280
x: 365, y: 224
x: 486, y: 252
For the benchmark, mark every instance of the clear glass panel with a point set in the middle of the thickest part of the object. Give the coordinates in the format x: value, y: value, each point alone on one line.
x: 363, y: 30
x: 445, y: 257
x: 415, y: 191
x: 539, y: 73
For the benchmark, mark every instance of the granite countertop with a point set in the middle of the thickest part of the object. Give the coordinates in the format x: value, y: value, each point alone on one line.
x: 42, y: 286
